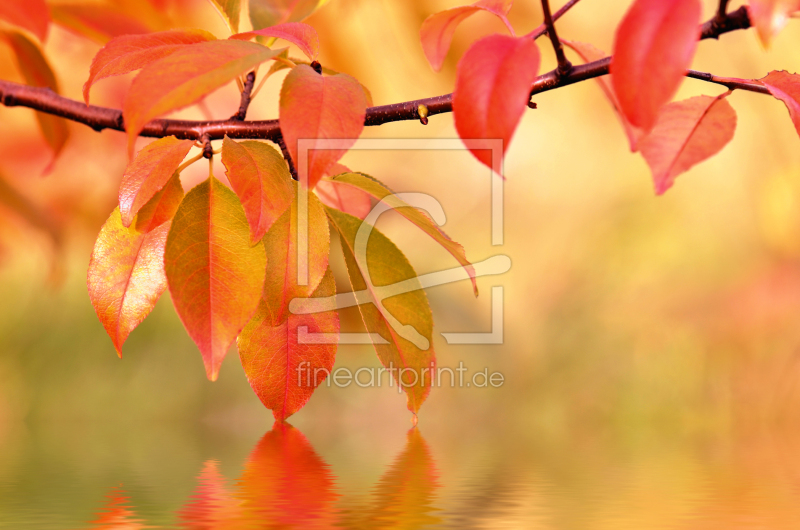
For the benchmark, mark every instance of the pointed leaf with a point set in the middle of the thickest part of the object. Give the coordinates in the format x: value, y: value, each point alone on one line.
x: 341, y: 196
x: 404, y: 321
x: 266, y: 13
x: 186, y: 76
x: 283, y: 366
x: 149, y: 172
x: 229, y: 10
x: 128, y: 53
x: 786, y: 87
x: 215, y: 277
x: 588, y: 54
x: 493, y: 89
x: 302, y: 35
x: 97, y: 22
x: 653, y: 48
x: 317, y: 107
x: 438, y: 29
x: 37, y: 72
x: 31, y: 15
x: 686, y: 133
x: 770, y: 16
x: 126, y: 270
x: 376, y: 189
x: 261, y: 179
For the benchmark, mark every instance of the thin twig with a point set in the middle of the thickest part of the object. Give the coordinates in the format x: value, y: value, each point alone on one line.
x: 245, y: 101
x: 542, y: 29
x: 287, y: 157
x: 722, y: 10
x: 564, y: 66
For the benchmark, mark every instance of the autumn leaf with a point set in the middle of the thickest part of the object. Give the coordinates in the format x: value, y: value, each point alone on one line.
x: 438, y: 29
x: 97, y: 22
x: 229, y: 10
x: 186, y: 76
x: 215, y: 277
x: 126, y: 270
x: 493, y: 89
x: 37, y: 72
x: 376, y: 189
x: 653, y: 48
x: 316, y: 107
x: 301, y: 35
x: 341, y: 196
x: 277, y: 66
x: 266, y: 13
x: 153, y: 166
x: 283, y: 365
x: 686, y: 133
x: 404, y: 321
x: 31, y: 15
x: 128, y: 53
x: 770, y: 16
x: 786, y: 87
x: 588, y: 54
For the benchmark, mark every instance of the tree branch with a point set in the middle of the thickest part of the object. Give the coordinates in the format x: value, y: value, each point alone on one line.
x: 245, y: 101
x: 564, y: 66
x: 542, y: 29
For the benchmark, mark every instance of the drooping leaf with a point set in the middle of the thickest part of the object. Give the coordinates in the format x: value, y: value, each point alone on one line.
x: 786, y: 87
x: 266, y: 13
x: 770, y: 16
x: 98, y: 22
x: 302, y: 35
x: 185, y: 76
x: 283, y: 365
x: 376, y: 189
x: 126, y: 270
x: 653, y: 48
x: 128, y: 53
x: 261, y: 179
x: 438, y: 29
x: 341, y: 196
x: 31, y: 15
x: 686, y: 133
x: 492, y: 90
x: 229, y: 10
x: 37, y: 72
x: 325, y: 108
x: 215, y: 277
x: 153, y: 166
x: 392, y: 305
x: 588, y: 53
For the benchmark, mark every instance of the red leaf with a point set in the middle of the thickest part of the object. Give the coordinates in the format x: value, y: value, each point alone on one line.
x: 215, y: 277
x: 302, y: 35
x: 126, y: 270
x: 770, y: 16
x: 653, y: 48
x: 149, y: 171
x: 31, y: 15
x: 588, y: 54
x: 317, y: 107
x: 437, y: 31
x: 343, y: 197
x: 131, y: 52
x: 262, y: 181
x: 283, y: 367
x: 493, y: 89
x: 786, y: 87
x: 686, y: 133
x: 186, y: 76
x: 266, y: 13
x: 98, y: 22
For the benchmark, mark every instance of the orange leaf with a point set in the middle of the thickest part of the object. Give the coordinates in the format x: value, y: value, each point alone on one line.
x: 31, y: 15
x: 215, y: 277
x: 149, y: 171
x: 126, y: 270
x: 283, y: 366
x: 302, y: 35
x: 438, y: 29
x: 37, y: 72
x: 186, y: 76
x: 97, y: 22
x: 131, y: 52
x: 770, y: 16
x: 342, y: 197
x: 266, y: 13
x: 588, y: 54
x: 493, y: 89
x: 260, y: 177
x: 686, y: 133
x: 317, y: 107
x: 653, y: 48
x: 786, y: 87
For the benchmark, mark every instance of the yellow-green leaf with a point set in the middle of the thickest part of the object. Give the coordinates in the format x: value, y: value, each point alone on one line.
x: 266, y: 13
x: 229, y: 11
